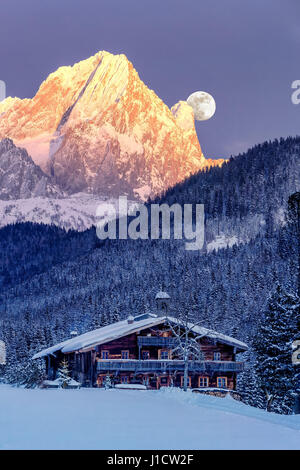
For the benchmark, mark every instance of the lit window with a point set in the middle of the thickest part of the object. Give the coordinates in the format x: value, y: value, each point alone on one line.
x: 104, y: 354
x: 217, y: 356
x: 222, y: 382
x: 125, y: 354
x: 145, y: 355
x: 164, y: 354
x: 188, y: 381
x: 203, y: 382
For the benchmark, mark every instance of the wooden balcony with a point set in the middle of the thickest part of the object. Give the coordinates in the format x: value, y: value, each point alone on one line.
x: 168, y: 366
x: 166, y: 342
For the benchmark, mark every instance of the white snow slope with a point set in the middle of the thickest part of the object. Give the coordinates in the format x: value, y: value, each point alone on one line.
x: 77, y: 212
x: 133, y: 419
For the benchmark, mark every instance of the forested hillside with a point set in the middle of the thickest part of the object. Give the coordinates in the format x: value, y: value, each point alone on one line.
x: 248, y: 194
x: 28, y: 249
x: 53, y: 282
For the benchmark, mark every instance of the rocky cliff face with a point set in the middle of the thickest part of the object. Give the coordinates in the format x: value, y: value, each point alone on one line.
x: 20, y: 177
x: 96, y: 127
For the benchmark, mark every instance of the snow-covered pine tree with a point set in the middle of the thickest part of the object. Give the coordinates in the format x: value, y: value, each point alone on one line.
x: 95, y: 316
x: 272, y: 344
x: 107, y: 382
x: 33, y: 373
x: 247, y: 381
x: 296, y: 339
x: 297, y: 380
x: 64, y: 374
x: 293, y: 230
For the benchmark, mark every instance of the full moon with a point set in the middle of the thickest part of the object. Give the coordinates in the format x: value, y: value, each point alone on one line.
x: 203, y: 104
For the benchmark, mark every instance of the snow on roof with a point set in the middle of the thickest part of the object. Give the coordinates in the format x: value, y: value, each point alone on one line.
x: 100, y: 336
x: 123, y: 328
x: 162, y: 295
x: 200, y: 330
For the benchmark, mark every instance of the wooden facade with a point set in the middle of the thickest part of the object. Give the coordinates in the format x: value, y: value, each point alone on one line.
x: 145, y: 357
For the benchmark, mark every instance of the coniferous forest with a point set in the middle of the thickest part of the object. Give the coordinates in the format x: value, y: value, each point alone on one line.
x: 53, y: 281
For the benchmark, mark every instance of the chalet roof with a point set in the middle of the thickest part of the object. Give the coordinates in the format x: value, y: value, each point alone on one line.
x: 123, y: 328
x: 162, y: 295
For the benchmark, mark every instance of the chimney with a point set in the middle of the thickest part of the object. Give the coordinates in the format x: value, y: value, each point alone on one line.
x: 73, y: 333
x: 130, y: 319
x: 162, y: 303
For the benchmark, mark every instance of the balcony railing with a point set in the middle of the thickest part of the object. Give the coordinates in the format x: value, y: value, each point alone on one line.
x: 168, y: 366
x: 157, y: 341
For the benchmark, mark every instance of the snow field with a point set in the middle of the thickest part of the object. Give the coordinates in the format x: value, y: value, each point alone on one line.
x: 133, y: 419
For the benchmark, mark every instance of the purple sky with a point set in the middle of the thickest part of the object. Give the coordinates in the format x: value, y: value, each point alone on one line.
x: 245, y: 53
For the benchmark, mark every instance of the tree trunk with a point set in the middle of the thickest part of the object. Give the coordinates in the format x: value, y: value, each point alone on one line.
x: 186, y: 363
x: 185, y: 377
x: 270, y: 399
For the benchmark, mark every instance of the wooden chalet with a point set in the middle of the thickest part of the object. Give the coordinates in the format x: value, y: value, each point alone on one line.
x: 140, y: 350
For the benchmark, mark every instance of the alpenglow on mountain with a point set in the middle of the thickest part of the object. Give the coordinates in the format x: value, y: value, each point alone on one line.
x: 96, y: 127
x: 20, y: 177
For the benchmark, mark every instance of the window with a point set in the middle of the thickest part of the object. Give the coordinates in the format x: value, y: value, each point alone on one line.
x: 203, y: 382
x: 217, y: 356
x: 222, y: 382
x: 100, y: 380
x: 188, y: 381
x: 163, y: 354
x: 164, y: 380
x: 104, y: 354
x: 124, y: 379
x: 125, y: 354
x: 145, y: 381
x: 145, y: 355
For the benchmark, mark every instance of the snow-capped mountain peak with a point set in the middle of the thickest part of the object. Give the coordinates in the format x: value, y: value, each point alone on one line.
x: 20, y: 177
x: 96, y: 127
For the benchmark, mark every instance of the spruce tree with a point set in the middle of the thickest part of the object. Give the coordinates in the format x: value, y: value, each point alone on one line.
x: 107, y: 382
x: 64, y: 374
x: 247, y: 381
x: 34, y: 373
x: 273, y: 365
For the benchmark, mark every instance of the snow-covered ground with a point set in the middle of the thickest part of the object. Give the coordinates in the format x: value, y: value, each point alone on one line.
x: 132, y: 419
x: 221, y: 241
x: 76, y: 212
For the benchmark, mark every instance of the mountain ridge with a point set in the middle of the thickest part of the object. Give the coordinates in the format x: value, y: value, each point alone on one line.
x: 224, y: 191
x: 276, y: 178
x: 20, y: 177
x: 96, y: 127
